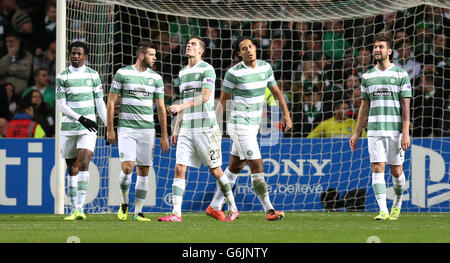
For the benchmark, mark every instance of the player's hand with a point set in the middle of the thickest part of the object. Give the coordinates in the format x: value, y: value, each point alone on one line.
x: 111, y: 137
x: 286, y: 123
x: 88, y: 124
x: 354, y: 141
x: 174, y: 139
x: 164, y: 143
x: 174, y: 109
x: 406, y: 141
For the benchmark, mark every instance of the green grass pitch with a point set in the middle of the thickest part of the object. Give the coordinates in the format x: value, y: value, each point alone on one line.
x: 251, y: 227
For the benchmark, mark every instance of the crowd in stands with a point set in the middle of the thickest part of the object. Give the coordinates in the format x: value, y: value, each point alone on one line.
x: 27, y: 67
x: 318, y: 65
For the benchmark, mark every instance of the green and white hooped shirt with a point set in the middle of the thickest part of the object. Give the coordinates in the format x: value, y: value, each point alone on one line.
x: 200, y: 118
x: 79, y: 87
x: 384, y: 90
x: 137, y: 90
x: 248, y: 86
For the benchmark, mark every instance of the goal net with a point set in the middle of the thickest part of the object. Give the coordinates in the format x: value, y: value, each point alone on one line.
x: 318, y: 51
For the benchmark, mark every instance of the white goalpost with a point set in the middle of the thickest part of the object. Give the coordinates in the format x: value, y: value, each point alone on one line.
x: 318, y: 50
x: 59, y: 169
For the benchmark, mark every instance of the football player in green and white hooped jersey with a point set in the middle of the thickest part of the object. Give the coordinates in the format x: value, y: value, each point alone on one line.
x: 247, y: 82
x: 196, y: 134
x: 137, y: 85
x: 385, y: 101
x: 79, y: 95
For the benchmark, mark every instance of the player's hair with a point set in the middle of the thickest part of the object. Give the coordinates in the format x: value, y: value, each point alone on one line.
x: 79, y: 44
x: 236, y: 47
x: 201, y: 42
x: 238, y: 42
x: 143, y: 46
x: 383, y: 38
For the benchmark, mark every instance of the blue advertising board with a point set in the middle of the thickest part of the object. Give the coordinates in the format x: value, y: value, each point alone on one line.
x: 297, y: 172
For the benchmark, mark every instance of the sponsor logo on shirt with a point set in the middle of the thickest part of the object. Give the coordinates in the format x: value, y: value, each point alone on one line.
x: 382, y: 93
x: 139, y: 92
x: 190, y: 91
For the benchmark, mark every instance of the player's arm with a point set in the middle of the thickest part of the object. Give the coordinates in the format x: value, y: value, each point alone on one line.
x: 98, y: 99
x: 162, y: 117
x: 286, y: 121
x: 405, y: 102
x: 228, y: 85
x: 110, y: 107
x: 176, y: 129
x: 362, y: 118
x: 406, y: 141
x: 101, y: 110
x: 61, y: 99
x: 113, y: 98
x: 176, y: 108
x: 99, y: 102
x: 208, y: 81
x: 222, y: 105
x: 67, y: 110
x: 196, y: 101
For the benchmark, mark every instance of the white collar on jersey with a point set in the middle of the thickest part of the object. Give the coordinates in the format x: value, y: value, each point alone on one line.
x: 139, y: 70
x: 189, y: 67
x: 80, y: 69
x: 376, y: 67
x: 242, y: 62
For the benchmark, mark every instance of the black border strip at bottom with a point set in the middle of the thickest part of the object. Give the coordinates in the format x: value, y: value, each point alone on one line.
x: 222, y: 252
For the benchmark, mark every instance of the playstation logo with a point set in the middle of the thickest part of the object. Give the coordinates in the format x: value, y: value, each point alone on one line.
x: 426, y: 186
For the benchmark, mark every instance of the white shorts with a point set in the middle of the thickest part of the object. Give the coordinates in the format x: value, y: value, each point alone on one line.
x: 71, y: 143
x: 193, y: 150
x: 245, y: 146
x: 386, y: 150
x: 136, y: 146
